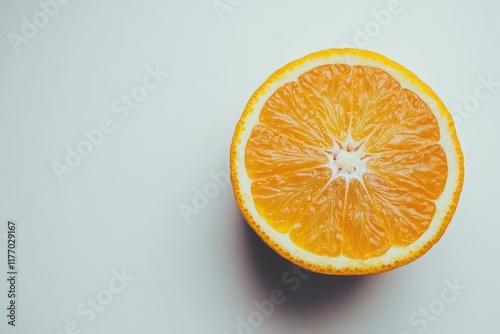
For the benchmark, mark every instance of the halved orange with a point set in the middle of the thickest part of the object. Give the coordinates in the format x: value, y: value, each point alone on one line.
x: 344, y: 162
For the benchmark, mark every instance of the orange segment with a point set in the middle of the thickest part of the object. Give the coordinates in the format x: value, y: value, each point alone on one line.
x: 344, y: 162
x: 410, y: 124
x: 269, y: 153
x: 327, y: 91
x: 287, y: 112
x: 421, y: 171
x: 364, y: 233
x: 282, y: 200
x: 407, y: 214
x: 320, y: 229
x: 373, y: 90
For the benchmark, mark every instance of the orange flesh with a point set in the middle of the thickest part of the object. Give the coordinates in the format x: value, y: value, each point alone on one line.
x: 346, y: 162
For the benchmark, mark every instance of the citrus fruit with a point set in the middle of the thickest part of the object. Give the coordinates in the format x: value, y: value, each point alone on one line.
x: 344, y: 162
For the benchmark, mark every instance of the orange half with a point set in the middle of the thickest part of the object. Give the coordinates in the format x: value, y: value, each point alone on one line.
x: 344, y: 162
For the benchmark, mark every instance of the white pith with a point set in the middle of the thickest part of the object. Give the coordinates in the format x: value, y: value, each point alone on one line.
x: 344, y: 163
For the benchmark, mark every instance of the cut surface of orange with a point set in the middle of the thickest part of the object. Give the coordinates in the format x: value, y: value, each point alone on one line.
x: 344, y: 162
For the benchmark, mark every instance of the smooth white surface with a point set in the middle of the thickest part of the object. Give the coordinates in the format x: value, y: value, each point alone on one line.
x: 120, y: 207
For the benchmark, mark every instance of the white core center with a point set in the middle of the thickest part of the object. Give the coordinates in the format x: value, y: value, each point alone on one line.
x: 350, y: 163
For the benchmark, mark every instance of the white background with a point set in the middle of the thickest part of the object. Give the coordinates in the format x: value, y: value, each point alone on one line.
x: 120, y: 208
